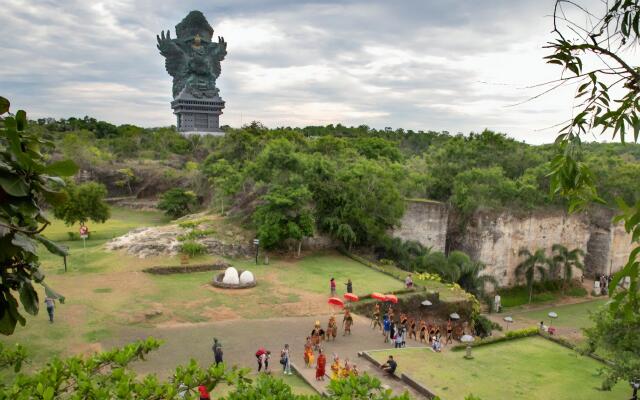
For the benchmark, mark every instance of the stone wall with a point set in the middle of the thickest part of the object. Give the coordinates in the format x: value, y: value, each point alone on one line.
x: 496, y: 238
x: 424, y: 221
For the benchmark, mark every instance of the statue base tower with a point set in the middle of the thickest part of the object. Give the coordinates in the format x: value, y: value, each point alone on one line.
x: 198, y: 116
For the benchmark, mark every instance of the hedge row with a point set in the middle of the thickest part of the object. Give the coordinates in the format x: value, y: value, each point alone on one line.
x: 511, y: 335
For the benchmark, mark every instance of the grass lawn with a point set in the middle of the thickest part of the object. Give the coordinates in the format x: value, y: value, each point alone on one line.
x: 532, y: 368
x: 569, y: 315
x: 106, y: 291
x: 313, y: 273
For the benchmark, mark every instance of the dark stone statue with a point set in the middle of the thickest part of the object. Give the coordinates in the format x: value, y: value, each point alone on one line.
x: 192, y: 59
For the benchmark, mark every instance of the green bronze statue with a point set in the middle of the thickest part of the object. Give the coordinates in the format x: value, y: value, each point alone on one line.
x: 192, y: 59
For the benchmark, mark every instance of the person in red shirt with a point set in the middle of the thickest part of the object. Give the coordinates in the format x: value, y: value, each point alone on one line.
x: 332, y: 284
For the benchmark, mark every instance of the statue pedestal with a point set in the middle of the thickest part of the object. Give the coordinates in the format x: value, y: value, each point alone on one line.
x: 198, y: 116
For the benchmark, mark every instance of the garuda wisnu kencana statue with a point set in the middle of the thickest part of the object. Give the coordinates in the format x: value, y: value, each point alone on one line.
x: 192, y: 59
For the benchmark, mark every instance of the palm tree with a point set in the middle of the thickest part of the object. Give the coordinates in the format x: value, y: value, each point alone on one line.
x: 567, y: 260
x: 533, y: 262
x: 474, y: 283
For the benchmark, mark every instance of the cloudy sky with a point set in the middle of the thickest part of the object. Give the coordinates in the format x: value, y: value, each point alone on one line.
x: 451, y: 65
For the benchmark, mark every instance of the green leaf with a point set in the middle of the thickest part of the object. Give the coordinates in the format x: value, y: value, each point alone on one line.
x: 52, y: 246
x: 62, y: 168
x: 21, y: 120
x: 4, y: 105
x: 48, y: 393
x: 23, y: 241
x: 14, y: 186
x: 29, y: 298
x: 52, y: 293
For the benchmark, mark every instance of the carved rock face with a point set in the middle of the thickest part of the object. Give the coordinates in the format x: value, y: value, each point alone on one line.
x: 231, y: 276
x: 247, y: 277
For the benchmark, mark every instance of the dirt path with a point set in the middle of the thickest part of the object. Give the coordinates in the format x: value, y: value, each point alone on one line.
x: 241, y: 339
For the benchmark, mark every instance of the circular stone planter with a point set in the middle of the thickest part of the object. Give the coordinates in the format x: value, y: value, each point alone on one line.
x: 217, y: 282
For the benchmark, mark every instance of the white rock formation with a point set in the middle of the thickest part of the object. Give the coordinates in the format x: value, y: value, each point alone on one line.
x: 231, y: 276
x: 246, y: 277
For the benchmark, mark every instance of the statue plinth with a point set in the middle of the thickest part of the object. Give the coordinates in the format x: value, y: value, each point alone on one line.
x: 199, y: 116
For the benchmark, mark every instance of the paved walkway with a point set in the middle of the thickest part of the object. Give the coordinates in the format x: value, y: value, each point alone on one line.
x: 241, y: 339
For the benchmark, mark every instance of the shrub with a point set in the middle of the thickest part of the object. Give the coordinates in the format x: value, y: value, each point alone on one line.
x: 177, y: 202
x: 520, y: 333
x: 196, y: 234
x: 192, y: 248
x: 483, y: 326
x: 191, y: 223
x: 511, y: 335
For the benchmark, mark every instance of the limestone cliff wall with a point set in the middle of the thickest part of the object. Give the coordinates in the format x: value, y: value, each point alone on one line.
x: 496, y: 238
x: 425, y: 222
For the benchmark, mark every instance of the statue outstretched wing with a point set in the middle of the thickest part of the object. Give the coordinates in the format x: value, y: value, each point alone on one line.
x: 217, y: 53
x: 175, y: 59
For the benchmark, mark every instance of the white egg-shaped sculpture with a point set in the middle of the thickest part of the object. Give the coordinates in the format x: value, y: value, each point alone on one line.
x: 246, y: 278
x: 231, y: 276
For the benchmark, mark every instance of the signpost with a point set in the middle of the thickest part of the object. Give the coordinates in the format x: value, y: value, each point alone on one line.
x: 84, y: 234
x: 256, y: 242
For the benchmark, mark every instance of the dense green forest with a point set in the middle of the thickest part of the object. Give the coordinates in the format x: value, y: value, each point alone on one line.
x: 348, y: 182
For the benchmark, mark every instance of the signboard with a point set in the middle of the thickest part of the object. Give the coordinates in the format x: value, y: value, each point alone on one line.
x: 84, y: 232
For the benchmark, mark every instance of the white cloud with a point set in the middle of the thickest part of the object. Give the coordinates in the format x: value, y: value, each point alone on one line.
x: 456, y: 66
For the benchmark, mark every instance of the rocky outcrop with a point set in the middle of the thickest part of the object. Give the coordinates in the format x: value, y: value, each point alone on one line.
x: 426, y: 222
x: 163, y: 241
x: 495, y: 238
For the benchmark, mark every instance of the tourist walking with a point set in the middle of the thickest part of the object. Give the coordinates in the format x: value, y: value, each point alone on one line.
x: 386, y: 328
x: 263, y: 359
x: 321, y: 366
x: 51, y: 303
x: 449, y: 332
x: 332, y: 286
x: 285, y: 360
x: 217, y: 351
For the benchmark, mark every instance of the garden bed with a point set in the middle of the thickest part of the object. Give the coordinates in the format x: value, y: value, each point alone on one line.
x: 187, y: 269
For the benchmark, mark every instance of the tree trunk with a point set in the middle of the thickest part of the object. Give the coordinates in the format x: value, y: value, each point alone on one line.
x: 299, y: 247
x: 530, y: 292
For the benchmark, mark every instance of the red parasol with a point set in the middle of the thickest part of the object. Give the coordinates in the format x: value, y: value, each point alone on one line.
x: 351, y: 297
x: 391, y: 297
x: 336, y: 302
x: 378, y: 296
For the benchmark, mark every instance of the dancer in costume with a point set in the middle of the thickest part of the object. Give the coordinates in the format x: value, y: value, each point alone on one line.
x: 308, y: 353
x: 346, y: 370
x: 423, y: 331
x: 332, y: 328
x: 320, y: 366
x: 375, y: 320
x: 347, y: 321
x: 316, y: 336
x: 412, y: 329
x: 335, y: 368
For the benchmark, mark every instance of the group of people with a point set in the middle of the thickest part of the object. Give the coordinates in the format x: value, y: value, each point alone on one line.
x: 605, y: 280
x: 318, y: 334
x: 332, y: 286
x: 397, y: 331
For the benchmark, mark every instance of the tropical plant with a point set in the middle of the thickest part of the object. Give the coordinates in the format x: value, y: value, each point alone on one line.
x: 26, y: 182
x: 84, y: 202
x: 532, y: 263
x: 566, y: 261
x: 473, y: 281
